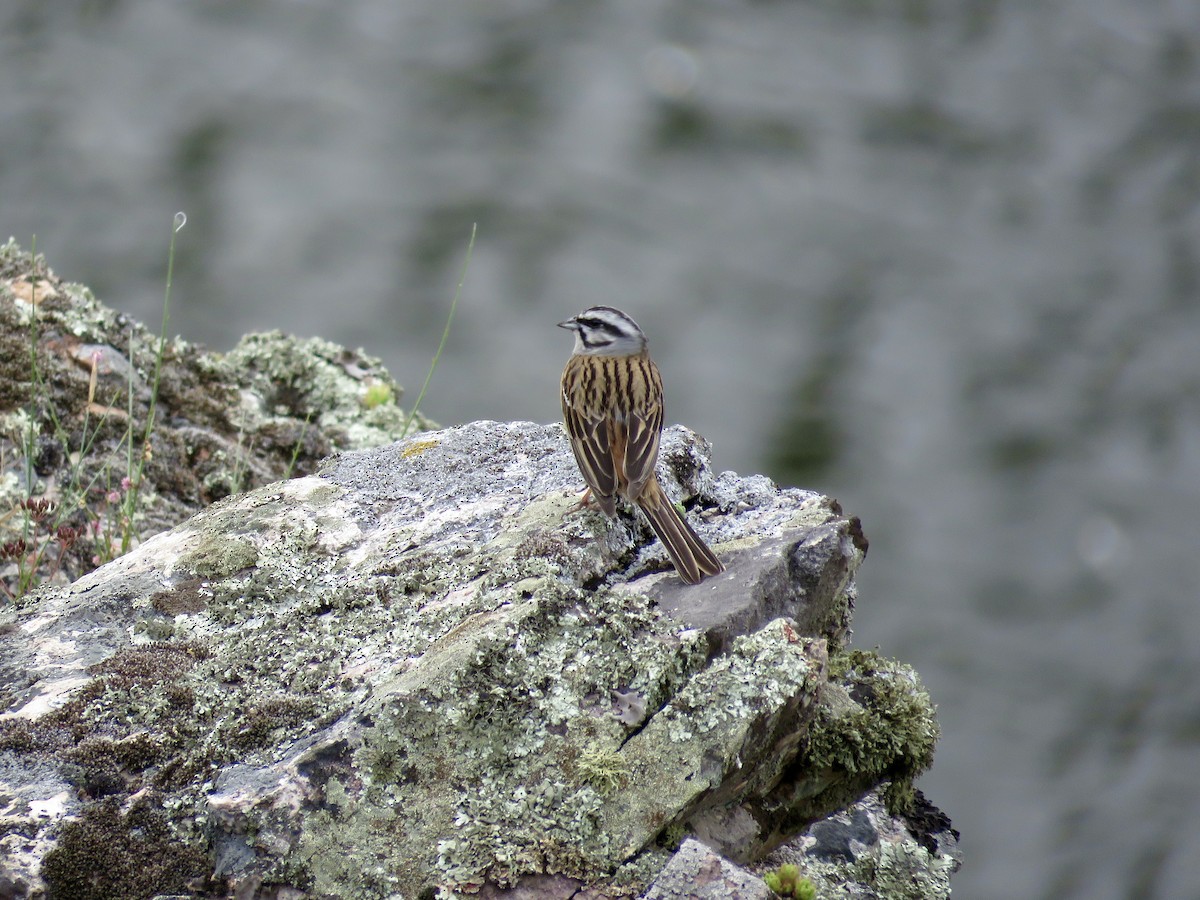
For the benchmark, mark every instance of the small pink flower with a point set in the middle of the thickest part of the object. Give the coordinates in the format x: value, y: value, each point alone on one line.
x: 113, y: 496
x: 126, y: 484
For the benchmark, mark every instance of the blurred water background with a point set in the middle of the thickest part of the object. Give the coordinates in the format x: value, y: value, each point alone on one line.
x: 937, y: 258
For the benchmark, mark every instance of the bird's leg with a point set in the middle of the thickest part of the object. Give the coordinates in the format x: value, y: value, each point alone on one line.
x: 589, y: 499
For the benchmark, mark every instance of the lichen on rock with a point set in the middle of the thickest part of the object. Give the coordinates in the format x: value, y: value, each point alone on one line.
x: 413, y: 659
x: 415, y: 672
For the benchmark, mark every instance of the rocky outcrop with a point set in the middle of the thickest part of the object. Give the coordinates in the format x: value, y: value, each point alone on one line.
x: 417, y: 672
x: 122, y: 433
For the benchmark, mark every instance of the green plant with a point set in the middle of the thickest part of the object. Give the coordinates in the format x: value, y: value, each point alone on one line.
x: 787, y: 881
x: 134, y: 472
x: 462, y: 276
x: 291, y: 466
x: 41, y: 549
x: 96, y: 509
x: 48, y: 529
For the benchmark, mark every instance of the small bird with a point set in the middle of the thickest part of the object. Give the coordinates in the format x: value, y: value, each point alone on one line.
x: 612, y: 401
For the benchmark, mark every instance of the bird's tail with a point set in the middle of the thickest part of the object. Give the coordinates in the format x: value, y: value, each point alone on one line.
x: 693, y: 560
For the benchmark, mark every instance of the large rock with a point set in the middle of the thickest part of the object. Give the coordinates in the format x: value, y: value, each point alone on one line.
x: 415, y: 672
x: 418, y: 671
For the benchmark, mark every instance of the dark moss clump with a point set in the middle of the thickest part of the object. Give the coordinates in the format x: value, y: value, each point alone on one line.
x: 257, y: 726
x: 23, y: 736
x: 188, y: 597
x: 110, y: 855
x: 54, y: 731
x: 151, y: 663
x: 544, y: 545
x: 100, y: 767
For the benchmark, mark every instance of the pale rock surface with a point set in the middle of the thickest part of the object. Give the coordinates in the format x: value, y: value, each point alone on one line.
x: 416, y: 673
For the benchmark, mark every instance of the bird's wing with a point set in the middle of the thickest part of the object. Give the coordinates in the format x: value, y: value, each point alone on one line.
x: 643, y: 426
x: 592, y: 443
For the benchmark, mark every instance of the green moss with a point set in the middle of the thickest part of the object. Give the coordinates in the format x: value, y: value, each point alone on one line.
x: 787, y: 881
x: 877, y: 723
x: 378, y: 394
x: 604, y: 769
x: 672, y: 836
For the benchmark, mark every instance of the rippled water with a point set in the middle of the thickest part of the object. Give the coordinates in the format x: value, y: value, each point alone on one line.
x: 936, y: 258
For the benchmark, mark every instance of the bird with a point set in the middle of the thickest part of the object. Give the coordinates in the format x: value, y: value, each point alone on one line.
x: 612, y: 402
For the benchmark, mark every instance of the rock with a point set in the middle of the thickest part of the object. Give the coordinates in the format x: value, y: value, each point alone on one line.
x: 409, y: 672
x: 696, y: 872
x: 862, y: 851
x: 866, y: 852
x: 78, y: 383
x: 415, y: 673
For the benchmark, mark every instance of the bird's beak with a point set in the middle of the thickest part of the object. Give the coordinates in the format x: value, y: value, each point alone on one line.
x: 570, y: 324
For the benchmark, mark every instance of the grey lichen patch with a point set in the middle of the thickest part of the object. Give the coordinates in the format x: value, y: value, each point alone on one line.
x: 264, y: 669
x: 895, y: 870
x: 513, y: 696
x: 347, y: 394
x: 218, y: 557
x: 725, y: 693
x: 907, y: 871
x: 813, y: 512
x: 340, y: 837
x: 202, y: 704
x: 716, y: 726
x: 583, y: 543
x: 429, y: 572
